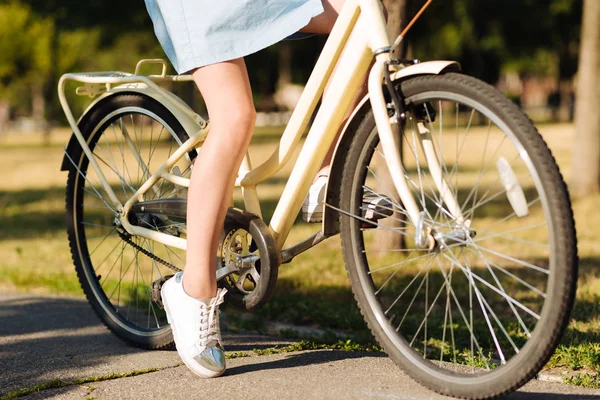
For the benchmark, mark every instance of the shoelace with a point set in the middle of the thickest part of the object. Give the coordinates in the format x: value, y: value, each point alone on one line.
x: 209, y: 327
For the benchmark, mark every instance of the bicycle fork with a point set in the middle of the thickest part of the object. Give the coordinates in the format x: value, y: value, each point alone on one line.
x: 424, y: 237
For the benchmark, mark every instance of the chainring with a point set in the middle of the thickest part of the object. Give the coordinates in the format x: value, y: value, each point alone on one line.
x: 246, y: 237
x: 236, y: 244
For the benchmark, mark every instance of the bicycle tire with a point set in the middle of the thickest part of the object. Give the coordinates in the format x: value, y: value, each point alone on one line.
x: 89, y: 215
x: 406, y: 345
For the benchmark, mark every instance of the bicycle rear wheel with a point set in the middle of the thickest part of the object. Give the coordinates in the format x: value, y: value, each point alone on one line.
x: 481, y: 312
x: 130, y: 135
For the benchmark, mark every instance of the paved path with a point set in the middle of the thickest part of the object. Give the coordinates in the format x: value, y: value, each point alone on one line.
x: 44, y: 338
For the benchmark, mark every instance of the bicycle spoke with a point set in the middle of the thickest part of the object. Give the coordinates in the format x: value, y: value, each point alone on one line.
x: 427, y: 312
x: 102, y: 241
x: 401, y: 294
x: 125, y: 167
x: 122, y: 275
x: 469, y: 326
x: 514, y: 214
x: 513, y: 239
x: 401, y: 263
x: 411, y: 302
x: 96, y: 193
x: 106, y: 258
x: 146, y: 286
x: 122, y: 179
x: 513, y: 259
x: 501, y: 288
x: 480, y: 300
x: 97, y: 225
x: 508, y: 298
x: 114, y: 163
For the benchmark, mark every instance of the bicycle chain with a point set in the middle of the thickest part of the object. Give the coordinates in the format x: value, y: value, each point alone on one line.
x: 127, y: 238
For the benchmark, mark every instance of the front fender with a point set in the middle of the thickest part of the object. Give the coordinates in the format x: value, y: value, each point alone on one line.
x: 189, y: 120
x: 426, y: 68
x: 331, y: 224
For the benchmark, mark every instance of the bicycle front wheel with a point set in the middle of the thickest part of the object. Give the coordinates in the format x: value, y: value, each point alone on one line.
x: 130, y: 136
x: 480, y: 312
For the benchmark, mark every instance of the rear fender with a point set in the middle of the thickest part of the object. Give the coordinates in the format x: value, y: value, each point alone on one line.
x: 189, y: 120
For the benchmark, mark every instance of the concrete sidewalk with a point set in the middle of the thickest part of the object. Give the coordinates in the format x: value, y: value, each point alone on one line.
x: 43, y: 338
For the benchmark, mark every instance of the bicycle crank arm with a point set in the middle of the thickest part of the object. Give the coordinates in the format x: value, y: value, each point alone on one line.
x: 240, y: 264
x: 227, y: 270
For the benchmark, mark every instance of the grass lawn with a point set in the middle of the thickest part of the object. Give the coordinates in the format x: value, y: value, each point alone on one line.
x: 313, y: 290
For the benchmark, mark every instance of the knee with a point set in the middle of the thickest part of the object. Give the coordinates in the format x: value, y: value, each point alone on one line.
x: 237, y: 124
x: 242, y: 119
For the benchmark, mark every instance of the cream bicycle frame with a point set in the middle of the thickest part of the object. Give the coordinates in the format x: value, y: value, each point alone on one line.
x: 359, y: 35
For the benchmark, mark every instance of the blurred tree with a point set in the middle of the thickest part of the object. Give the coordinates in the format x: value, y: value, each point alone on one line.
x: 113, y: 16
x: 487, y: 37
x: 41, y: 40
x: 25, y: 45
x: 586, y: 153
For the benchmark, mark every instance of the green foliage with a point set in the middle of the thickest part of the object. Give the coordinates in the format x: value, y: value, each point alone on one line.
x: 344, y: 345
x: 54, y: 384
x: 25, y: 45
x: 525, y: 36
x: 41, y: 40
x: 236, y: 354
x: 59, y: 383
x: 576, y: 357
x: 584, y: 380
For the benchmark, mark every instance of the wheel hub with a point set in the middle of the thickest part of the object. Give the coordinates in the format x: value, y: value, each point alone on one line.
x: 459, y: 236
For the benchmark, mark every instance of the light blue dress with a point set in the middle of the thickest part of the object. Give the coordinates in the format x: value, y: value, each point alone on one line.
x: 195, y: 33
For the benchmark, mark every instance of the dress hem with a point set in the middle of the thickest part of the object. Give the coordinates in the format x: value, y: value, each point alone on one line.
x: 255, y: 46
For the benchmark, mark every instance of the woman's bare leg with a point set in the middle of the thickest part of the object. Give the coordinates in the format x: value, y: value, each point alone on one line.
x: 226, y: 90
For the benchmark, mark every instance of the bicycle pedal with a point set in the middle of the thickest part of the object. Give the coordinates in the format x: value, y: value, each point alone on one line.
x: 156, y: 286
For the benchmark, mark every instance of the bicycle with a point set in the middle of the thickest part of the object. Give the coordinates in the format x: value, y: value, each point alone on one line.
x: 471, y: 302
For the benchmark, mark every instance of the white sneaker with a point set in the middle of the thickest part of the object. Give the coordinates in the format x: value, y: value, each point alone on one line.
x: 195, y: 325
x: 312, y: 209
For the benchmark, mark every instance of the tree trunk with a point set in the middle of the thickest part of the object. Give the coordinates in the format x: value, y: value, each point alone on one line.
x: 285, y: 65
x: 38, y: 111
x: 386, y: 239
x: 38, y: 102
x: 4, y: 116
x: 586, y: 151
x: 398, y: 11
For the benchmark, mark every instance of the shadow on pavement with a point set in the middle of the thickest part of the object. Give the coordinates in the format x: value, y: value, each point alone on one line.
x: 550, y: 396
x: 293, y: 360
x: 44, y: 338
